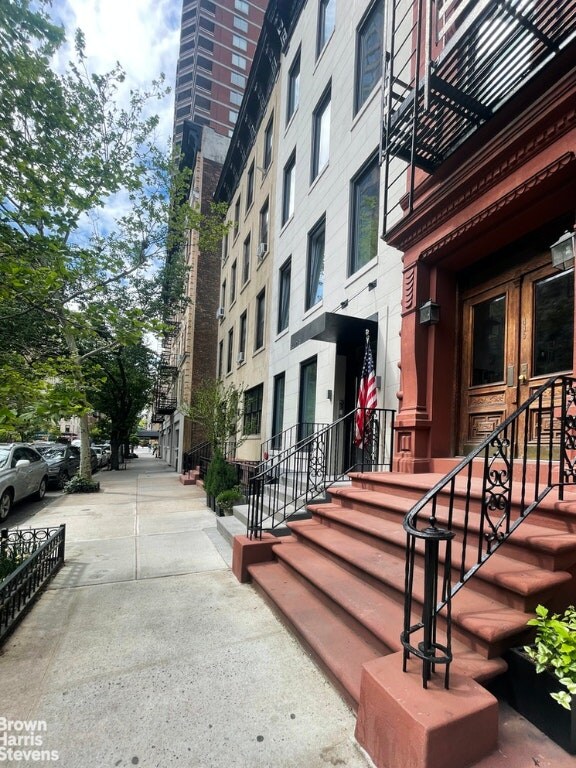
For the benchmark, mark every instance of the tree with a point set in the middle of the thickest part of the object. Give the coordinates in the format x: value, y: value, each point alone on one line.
x: 72, y: 152
x: 216, y: 409
x: 122, y: 382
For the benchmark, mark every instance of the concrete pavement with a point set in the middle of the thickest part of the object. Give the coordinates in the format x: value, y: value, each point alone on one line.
x: 146, y: 651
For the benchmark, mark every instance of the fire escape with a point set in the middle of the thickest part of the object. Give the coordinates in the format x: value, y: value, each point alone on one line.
x: 165, y: 397
x: 451, y: 64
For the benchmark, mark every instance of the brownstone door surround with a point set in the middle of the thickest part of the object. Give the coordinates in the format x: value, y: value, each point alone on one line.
x: 516, y: 331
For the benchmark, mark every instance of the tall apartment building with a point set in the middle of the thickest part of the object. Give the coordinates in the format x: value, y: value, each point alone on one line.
x: 217, y: 44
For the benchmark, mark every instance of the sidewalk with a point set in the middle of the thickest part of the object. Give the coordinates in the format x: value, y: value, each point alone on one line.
x: 146, y: 651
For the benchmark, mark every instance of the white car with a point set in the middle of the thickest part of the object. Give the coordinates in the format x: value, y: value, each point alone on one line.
x: 23, y: 472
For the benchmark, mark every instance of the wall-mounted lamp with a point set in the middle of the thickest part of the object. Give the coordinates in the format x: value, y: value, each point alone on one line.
x: 563, y: 251
x: 344, y: 304
x: 429, y: 313
x: 372, y: 285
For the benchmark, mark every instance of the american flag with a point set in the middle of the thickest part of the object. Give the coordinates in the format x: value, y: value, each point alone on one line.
x: 366, y: 397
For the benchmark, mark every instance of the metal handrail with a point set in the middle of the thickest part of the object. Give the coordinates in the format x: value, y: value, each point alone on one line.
x: 302, y: 473
x: 474, y: 514
x: 191, y: 458
x: 289, y: 437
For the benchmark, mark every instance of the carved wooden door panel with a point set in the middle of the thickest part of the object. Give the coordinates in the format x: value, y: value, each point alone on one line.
x: 516, y: 333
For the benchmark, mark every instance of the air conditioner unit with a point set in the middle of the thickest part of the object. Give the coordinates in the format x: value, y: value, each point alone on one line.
x: 219, y: 313
x: 240, y: 357
x: 262, y: 250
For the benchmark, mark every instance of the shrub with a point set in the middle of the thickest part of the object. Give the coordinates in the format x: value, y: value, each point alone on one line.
x: 555, y: 649
x: 221, y: 476
x: 79, y: 485
x: 227, y: 499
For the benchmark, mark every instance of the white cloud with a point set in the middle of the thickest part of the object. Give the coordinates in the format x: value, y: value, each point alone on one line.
x: 143, y: 35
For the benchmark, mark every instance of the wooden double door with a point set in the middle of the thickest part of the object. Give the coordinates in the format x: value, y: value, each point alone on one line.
x: 517, y: 331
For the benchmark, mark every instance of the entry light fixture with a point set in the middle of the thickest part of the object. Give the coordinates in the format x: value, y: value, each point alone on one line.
x: 429, y: 313
x: 563, y: 251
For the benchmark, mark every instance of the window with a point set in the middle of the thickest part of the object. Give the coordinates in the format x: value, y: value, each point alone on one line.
x: 264, y: 223
x: 315, y: 266
x: 235, y: 98
x: 236, y: 217
x: 369, y: 54
x: 239, y: 42
x: 185, y: 94
x: 242, y: 338
x: 288, y: 189
x: 232, y: 116
x: 326, y: 21
x: 202, y: 103
x: 233, y: 271
x: 307, y: 399
x: 267, y: 155
x: 206, y: 24
x: 185, y: 79
x: 365, y: 204
x: 250, y: 187
x: 203, y: 63
x: 253, y: 410
x: 553, y: 324
x: 293, y: 88
x: 230, y: 350
x: 191, y: 14
x: 278, y: 410
x: 225, y: 247
x: 237, y: 79
x: 284, y: 295
x: 209, y: 6
x: 220, y: 357
x: 260, y: 318
x: 240, y: 24
x: 241, y: 6
x: 185, y: 47
x: 185, y: 63
x: 238, y: 61
x: 223, y: 294
x: 206, y: 44
x: 321, y: 134
x: 246, y: 261
x: 183, y: 111
x: 204, y: 83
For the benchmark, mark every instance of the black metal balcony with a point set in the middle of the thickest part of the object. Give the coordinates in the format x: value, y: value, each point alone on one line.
x: 452, y: 64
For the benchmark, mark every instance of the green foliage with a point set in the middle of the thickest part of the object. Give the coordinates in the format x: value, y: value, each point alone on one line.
x: 79, y: 484
x: 227, y: 499
x: 9, y: 561
x: 221, y: 476
x: 554, y: 649
x: 215, y: 408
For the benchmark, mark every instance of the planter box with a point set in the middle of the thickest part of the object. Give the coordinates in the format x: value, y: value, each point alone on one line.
x: 529, y: 694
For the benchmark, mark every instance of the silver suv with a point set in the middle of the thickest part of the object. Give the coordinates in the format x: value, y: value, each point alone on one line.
x: 23, y: 472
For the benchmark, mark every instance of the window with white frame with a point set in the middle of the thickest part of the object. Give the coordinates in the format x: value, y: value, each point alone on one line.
x: 252, y: 411
x: 240, y: 42
x: 250, y: 187
x: 284, y: 295
x: 235, y: 98
x: 246, y: 260
x: 267, y: 153
x: 242, y: 337
x: 370, y: 41
x: 288, y: 189
x: 264, y: 224
x: 240, y: 24
x: 365, y: 204
x: 241, y: 6
x: 315, y: 264
x: 321, y: 134
x: 326, y: 23
x: 293, y: 88
x: 239, y: 61
x: 237, y: 79
x: 233, y: 271
x: 260, y: 320
x: 230, y: 350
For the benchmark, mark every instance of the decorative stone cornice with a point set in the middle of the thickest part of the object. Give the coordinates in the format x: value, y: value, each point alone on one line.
x: 528, y: 184
x: 469, y: 186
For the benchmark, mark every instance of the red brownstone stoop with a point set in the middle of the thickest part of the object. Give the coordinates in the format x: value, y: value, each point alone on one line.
x: 400, y: 725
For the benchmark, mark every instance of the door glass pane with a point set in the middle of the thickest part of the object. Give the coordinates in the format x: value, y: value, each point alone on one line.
x: 307, y: 398
x: 553, y: 324
x: 278, y: 411
x: 489, y: 334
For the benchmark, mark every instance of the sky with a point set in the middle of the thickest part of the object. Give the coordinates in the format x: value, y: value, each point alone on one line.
x: 143, y: 35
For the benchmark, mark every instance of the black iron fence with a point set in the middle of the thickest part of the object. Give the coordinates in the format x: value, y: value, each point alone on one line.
x: 37, y: 554
x: 474, y: 509
x: 300, y: 474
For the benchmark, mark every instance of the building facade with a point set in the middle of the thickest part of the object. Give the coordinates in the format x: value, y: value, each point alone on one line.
x: 217, y: 43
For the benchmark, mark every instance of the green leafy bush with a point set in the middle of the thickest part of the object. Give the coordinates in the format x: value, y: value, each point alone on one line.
x: 227, y: 499
x: 221, y: 476
x: 79, y: 485
x: 554, y: 649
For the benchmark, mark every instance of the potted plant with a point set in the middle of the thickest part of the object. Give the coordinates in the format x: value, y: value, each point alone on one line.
x: 227, y: 499
x: 542, y: 676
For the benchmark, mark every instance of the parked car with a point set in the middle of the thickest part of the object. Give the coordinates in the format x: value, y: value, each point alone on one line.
x: 23, y: 472
x: 63, y: 463
x: 103, y: 453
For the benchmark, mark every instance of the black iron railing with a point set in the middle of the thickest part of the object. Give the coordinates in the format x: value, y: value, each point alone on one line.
x: 193, y: 458
x: 289, y: 437
x: 474, y: 509
x: 300, y: 474
x: 41, y: 552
